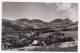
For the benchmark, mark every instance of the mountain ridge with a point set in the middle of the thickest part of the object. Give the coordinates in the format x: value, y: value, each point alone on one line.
x: 36, y: 23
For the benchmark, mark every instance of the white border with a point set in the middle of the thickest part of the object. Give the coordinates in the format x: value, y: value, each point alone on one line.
x: 57, y: 1
x: 75, y: 1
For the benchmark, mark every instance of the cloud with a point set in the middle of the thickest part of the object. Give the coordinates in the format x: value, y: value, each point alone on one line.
x: 63, y: 6
x: 70, y: 12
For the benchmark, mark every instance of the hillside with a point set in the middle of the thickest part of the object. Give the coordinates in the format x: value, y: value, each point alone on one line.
x: 59, y: 23
x: 36, y: 23
x: 23, y: 32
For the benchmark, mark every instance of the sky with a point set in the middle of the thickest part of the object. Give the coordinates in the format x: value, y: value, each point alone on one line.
x: 37, y: 10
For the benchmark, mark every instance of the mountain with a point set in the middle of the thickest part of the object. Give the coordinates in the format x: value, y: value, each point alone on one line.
x: 59, y: 22
x: 7, y: 23
x: 24, y: 24
x: 55, y: 23
x: 67, y: 21
x: 14, y: 25
x: 23, y: 20
x: 36, y: 23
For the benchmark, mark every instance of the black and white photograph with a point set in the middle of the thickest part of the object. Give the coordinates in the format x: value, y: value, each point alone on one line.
x: 39, y: 26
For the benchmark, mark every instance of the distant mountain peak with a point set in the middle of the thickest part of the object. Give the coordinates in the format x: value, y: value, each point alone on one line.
x: 23, y: 20
x: 37, y: 21
x: 66, y: 19
x: 57, y: 21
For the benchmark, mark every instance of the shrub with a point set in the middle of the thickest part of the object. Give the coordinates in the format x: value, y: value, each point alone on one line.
x: 58, y: 39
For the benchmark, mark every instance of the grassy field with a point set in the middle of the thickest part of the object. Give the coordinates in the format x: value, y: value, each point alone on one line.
x: 73, y: 34
x: 54, y: 47
x: 48, y: 48
x: 72, y: 49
